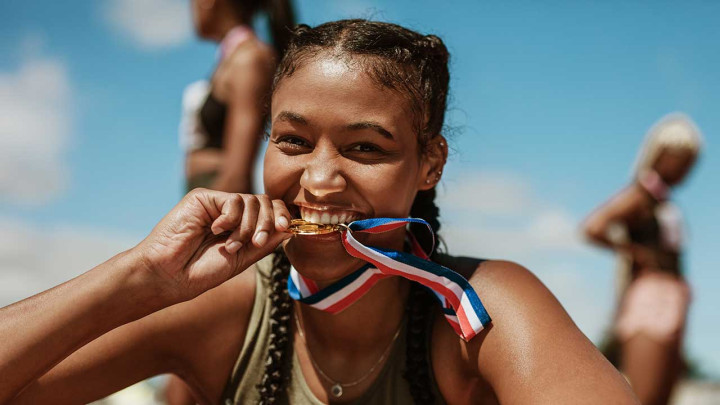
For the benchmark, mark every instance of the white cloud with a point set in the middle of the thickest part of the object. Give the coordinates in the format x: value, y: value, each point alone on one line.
x: 151, y: 24
x: 33, y: 259
x: 356, y: 9
x: 498, y: 215
x: 488, y: 193
x: 35, y: 123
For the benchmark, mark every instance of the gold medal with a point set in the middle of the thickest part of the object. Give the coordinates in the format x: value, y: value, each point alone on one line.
x: 302, y: 227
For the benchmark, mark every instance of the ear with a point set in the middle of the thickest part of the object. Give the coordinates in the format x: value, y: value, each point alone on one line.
x: 433, y: 162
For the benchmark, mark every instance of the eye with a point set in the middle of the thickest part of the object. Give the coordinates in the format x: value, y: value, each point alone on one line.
x: 365, y: 148
x: 292, y: 143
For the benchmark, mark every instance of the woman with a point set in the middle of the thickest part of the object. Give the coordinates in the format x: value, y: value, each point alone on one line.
x: 645, y: 229
x: 357, y: 114
x: 223, y: 121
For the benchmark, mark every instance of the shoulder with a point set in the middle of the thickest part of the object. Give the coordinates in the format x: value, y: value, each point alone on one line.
x: 254, y: 56
x: 518, y: 303
x: 494, y: 277
x: 532, y: 345
x: 508, y: 280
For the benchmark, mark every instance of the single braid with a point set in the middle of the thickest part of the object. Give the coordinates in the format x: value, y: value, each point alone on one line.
x: 424, y: 207
x: 417, y: 368
x: 275, y: 378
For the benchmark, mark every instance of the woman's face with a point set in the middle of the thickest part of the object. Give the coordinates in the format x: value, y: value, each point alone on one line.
x: 673, y: 165
x: 341, y: 148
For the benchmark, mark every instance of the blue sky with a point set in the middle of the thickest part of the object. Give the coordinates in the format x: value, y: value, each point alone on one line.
x: 549, y: 104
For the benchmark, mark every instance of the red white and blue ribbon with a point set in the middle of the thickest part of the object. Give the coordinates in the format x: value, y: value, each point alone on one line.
x: 461, y: 305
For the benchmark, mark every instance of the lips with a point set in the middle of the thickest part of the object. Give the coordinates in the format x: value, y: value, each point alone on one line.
x: 327, y: 215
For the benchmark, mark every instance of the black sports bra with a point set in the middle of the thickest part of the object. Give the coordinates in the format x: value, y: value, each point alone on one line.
x: 212, y: 119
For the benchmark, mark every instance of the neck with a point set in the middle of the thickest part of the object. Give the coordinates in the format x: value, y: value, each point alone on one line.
x: 371, y: 321
x: 223, y: 25
x: 651, y: 181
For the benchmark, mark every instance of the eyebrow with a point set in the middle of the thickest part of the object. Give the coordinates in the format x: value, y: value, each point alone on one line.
x: 291, y: 117
x: 371, y: 125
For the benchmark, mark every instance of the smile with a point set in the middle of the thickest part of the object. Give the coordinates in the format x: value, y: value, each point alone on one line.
x: 327, y: 215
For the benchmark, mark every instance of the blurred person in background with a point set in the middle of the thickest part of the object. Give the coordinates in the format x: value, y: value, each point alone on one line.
x: 645, y: 229
x: 223, y: 121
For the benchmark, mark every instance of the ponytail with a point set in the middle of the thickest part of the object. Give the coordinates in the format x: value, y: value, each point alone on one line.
x: 281, y: 18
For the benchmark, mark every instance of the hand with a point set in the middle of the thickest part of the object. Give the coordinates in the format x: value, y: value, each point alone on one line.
x: 209, y: 237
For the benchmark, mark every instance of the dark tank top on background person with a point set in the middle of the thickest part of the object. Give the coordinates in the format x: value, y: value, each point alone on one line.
x: 212, y: 118
x: 648, y: 233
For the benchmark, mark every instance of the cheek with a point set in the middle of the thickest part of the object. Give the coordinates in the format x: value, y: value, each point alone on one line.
x: 389, y: 189
x: 279, y: 173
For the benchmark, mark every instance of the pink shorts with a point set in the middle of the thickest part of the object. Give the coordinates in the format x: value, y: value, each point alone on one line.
x: 655, y: 304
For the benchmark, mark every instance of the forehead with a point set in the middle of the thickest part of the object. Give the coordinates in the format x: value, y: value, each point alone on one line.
x: 338, y: 89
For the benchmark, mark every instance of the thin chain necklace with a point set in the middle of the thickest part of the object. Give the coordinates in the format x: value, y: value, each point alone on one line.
x: 337, y: 387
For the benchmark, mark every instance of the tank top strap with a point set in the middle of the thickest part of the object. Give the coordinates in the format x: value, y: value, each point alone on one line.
x: 254, y: 346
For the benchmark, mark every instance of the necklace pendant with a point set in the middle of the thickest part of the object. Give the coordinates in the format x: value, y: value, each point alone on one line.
x: 336, y: 390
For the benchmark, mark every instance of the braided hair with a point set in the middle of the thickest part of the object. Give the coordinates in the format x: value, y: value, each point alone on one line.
x: 416, y: 66
x: 275, y: 376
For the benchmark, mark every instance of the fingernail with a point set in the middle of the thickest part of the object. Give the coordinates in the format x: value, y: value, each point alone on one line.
x: 261, y: 238
x: 283, y: 222
x: 216, y: 230
x: 233, y: 246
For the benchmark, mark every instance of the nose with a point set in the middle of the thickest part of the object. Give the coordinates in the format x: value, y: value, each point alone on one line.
x: 322, y: 174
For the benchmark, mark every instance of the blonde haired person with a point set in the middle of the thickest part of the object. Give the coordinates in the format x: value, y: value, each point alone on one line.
x: 645, y: 229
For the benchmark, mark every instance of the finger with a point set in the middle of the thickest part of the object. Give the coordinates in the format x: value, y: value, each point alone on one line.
x: 245, y: 231
x: 265, y: 222
x: 282, y: 215
x: 251, y: 254
x: 230, y: 216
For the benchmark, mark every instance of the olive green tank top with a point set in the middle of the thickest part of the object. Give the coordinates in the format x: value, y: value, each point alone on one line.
x: 389, y: 387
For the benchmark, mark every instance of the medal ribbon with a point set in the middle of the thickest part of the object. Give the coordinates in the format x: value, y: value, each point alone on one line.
x: 461, y: 305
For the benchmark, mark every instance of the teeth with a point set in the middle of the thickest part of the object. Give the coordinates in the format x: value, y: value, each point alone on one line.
x: 314, y: 217
x: 325, y: 217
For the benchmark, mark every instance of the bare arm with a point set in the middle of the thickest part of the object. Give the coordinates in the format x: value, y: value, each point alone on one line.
x: 601, y: 226
x: 534, y: 353
x: 181, y: 339
x: 186, y: 254
x: 248, y: 79
x: 39, y: 332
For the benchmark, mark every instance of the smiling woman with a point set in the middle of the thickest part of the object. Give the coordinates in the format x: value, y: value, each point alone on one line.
x: 357, y: 114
